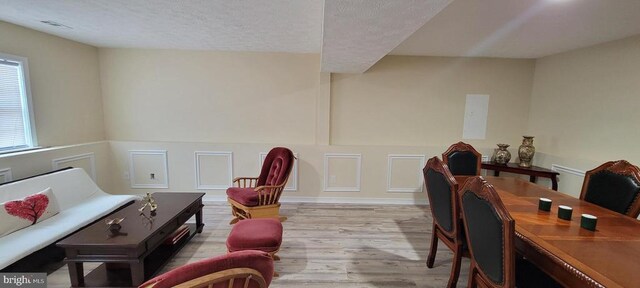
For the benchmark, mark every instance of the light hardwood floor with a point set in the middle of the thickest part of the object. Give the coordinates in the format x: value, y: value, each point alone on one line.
x: 332, y: 245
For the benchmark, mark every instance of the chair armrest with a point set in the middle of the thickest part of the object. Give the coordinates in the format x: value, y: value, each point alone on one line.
x: 269, y: 194
x: 245, y: 182
x: 241, y: 274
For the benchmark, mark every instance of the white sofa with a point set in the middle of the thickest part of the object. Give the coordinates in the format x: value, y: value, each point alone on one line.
x: 81, y: 202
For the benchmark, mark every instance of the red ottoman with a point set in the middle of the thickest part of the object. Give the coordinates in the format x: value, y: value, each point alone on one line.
x: 264, y: 234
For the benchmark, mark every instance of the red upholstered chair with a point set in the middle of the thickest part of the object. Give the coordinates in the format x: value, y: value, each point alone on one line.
x: 256, y: 234
x: 258, y: 197
x: 248, y: 268
x: 463, y: 159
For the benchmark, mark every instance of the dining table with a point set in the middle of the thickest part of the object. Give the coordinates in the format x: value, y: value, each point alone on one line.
x: 573, y: 256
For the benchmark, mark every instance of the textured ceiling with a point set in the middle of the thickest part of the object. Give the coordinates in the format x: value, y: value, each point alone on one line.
x: 351, y: 35
x: 247, y: 25
x: 357, y: 33
x: 522, y: 28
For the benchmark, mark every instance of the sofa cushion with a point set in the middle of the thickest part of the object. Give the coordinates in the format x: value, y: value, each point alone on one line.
x: 21, y: 213
x: 245, y: 196
x: 263, y: 234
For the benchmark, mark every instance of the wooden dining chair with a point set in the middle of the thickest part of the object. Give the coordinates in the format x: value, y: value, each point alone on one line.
x: 243, y: 269
x: 614, y: 185
x: 447, y: 226
x: 490, y: 232
x: 462, y: 159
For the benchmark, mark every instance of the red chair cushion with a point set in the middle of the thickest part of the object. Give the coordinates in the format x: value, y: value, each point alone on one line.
x: 245, y: 196
x: 276, y: 167
x: 263, y: 234
x: 257, y: 260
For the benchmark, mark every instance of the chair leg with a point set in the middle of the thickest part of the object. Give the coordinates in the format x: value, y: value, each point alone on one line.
x: 283, y: 218
x: 275, y: 257
x: 472, y: 278
x: 455, y: 267
x: 434, y: 247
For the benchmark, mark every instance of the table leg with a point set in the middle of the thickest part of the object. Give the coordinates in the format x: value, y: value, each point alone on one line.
x: 137, y: 273
x: 199, y: 223
x: 496, y: 173
x: 532, y: 179
x: 554, y: 183
x: 76, y: 273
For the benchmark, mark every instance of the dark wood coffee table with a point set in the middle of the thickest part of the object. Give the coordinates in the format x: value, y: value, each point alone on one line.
x: 137, y: 253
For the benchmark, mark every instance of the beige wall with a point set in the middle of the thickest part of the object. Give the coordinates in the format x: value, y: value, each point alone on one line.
x: 144, y: 93
x: 188, y: 101
x: 65, y: 85
x: 417, y: 101
x: 584, y: 107
x: 203, y: 96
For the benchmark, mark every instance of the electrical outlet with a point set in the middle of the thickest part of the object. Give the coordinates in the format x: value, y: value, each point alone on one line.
x: 152, y: 176
x: 125, y: 175
x: 333, y: 179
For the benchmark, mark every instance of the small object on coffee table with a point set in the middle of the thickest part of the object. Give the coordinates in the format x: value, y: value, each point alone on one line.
x: 148, y: 201
x: 114, y: 224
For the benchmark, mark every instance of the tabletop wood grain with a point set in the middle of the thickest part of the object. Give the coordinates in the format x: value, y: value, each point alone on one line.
x: 609, y: 256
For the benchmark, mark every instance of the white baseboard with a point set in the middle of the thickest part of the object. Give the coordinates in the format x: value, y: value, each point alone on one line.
x: 331, y: 200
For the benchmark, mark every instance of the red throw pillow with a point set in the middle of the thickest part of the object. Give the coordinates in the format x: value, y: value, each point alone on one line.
x: 21, y: 213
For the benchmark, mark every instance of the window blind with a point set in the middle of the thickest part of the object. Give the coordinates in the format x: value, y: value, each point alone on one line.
x: 14, y: 113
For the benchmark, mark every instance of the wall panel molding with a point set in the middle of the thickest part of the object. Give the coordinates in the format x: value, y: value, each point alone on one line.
x: 327, y: 182
x: 6, y: 175
x: 332, y: 200
x: 567, y: 170
x: 418, y: 187
x: 199, y: 155
x: 162, y: 157
x: 91, y: 157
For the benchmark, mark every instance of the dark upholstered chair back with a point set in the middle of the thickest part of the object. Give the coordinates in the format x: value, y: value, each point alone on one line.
x: 490, y: 233
x: 276, y: 167
x: 614, y: 185
x: 441, y: 191
x: 462, y: 159
x: 233, y: 263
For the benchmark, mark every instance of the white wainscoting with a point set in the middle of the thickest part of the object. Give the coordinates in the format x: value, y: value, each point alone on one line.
x: 139, y: 168
x: 331, y: 200
x: 226, y: 158
x: 358, y: 169
x: 417, y: 187
x: 567, y: 170
x: 88, y: 158
x: 5, y: 175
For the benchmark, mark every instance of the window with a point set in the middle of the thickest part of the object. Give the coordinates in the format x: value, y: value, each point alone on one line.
x: 17, y: 130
